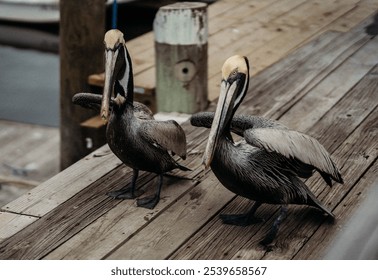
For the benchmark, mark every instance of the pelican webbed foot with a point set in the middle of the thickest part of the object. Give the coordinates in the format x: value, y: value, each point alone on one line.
x: 243, y: 219
x: 151, y: 201
x: 148, y: 202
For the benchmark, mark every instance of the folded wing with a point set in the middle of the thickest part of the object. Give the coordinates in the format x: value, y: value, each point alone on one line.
x: 295, y: 145
x: 167, y: 135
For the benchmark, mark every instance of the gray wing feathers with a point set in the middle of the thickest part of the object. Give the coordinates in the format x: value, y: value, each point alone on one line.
x: 142, y: 112
x: 239, y: 123
x: 293, y: 144
x: 168, y: 135
x: 88, y: 100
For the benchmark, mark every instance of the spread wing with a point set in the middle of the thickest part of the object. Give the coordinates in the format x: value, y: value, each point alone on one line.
x: 294, y: 145
x: 239, y: 123
x: 167, y: 135
x: 93, y: 101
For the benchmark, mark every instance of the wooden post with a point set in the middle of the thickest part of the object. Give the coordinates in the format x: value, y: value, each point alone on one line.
x: 181, y: 57
x: 82, y: 28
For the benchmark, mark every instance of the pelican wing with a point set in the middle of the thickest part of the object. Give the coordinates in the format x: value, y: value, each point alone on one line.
x: 239, y: 123
x: 294, y: 145
x: 89, y: 100
x: 142, y: 112
x: 167, y: 135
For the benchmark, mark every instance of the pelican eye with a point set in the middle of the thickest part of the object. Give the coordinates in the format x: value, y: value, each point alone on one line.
x: 234, y: 72
x: 234, y: 75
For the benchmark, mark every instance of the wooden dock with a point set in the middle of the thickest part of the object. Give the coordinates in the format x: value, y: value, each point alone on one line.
x: 29, y: 155
x: 316, y: 73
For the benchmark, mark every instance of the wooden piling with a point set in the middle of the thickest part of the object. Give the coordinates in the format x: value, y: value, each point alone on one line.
x: 82, y: 28
x: 181, y: 57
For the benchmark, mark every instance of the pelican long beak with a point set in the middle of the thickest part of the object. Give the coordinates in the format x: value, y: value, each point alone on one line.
x: 222, y: 114
x: 110, y: 62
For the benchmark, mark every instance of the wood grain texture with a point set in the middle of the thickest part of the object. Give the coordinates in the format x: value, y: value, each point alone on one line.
x: 11, y: 223
x: 50, y: 194
x: 44, y: 235
x: 117, y: 226
x: 81, y: 54
x: 166, y: 233
x: 332, y: 88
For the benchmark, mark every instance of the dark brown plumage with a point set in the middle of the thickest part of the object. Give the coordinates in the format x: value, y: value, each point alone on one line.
x: 133, y: 135
x: 265, y: 166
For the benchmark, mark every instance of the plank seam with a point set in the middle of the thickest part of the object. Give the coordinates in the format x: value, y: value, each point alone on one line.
x: 332, y: 70
x: 336, y: 205
x: 20, y: 214
x: 108, y: 254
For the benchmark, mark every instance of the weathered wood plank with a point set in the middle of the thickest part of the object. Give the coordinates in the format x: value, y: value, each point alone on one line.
x: 356, y: 239
x: 64, y: 185
x: 332, y: 88
x: 19, y: 146
x: 54, y: 228
x: 118, y: 226
x: 166, y: 233
x: 357, y: 153
x: 11, y: 223
x: 292, y: 79
x: 287, y: 33
x: 362, y: 10
x: 69, y: 212
x: 221, y: 7
x: 247, y: 35
x: 29, y: 155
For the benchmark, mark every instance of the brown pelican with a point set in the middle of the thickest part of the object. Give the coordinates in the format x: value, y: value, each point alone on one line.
x: 133, y: 135
x: 266, y: 164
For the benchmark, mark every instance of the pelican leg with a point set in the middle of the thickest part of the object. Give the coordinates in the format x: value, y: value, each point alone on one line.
x: 242, y: 219
x: 151, y: 201
x: 277, y: 222
x: 127, y: 192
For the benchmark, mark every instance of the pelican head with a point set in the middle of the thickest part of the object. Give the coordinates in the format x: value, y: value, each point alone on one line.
x: 233, y: 88
x: 117, y: 67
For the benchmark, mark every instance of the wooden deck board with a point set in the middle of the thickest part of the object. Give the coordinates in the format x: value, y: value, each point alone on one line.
x: 29, y: 155
x: 164, y: 235
x: 12, y: 223
x: 49, y: 194
x: 115, y: 227
x: 326, y: 88
x: 332, y: 88
x: 318, y: 243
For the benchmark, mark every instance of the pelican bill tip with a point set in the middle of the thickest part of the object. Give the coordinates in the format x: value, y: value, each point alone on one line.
x: 206, y: 165
x: 104, y: 117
